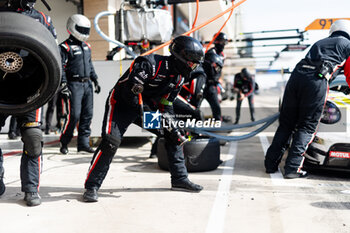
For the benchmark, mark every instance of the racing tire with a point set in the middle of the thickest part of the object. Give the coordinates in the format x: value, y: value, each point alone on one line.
x: 30, y: 64
x: 222, y: 133
x: 201, y: 154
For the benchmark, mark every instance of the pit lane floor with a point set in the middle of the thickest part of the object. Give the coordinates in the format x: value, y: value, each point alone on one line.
x: 136, y: 197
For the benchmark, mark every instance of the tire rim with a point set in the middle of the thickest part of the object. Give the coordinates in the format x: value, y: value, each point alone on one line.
x: 22, y: 76
x: 10, y: 62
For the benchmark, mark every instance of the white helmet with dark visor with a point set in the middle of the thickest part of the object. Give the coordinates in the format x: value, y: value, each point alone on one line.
x: 79, y: 26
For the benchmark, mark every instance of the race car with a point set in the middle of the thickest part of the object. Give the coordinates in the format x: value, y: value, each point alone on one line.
x: 330, y: 148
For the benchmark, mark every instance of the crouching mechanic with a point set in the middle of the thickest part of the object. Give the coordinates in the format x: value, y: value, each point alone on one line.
x: 29, y: 123
x: 158, y: 79
x: 304, y: 98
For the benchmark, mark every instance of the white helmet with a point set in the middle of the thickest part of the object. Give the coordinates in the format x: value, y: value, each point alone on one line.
x: 340, y: 25
x: 79, y: 27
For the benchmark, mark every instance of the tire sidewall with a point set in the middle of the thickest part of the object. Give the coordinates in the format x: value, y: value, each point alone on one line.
x: 38, y: 40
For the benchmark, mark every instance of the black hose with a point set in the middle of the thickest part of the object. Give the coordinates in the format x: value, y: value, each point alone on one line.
x: 268, y: 121
x: 240, y: 126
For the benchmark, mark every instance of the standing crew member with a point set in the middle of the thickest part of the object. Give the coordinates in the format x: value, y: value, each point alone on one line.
x: 158, y: 79
x: 245, y: 86
x: 212, y: 66
x: 211, y: 90
x: 219, y: 44
x: 29, y: 124
x: 78, y: 72
x: 188, y: 101
x: 304, y: 99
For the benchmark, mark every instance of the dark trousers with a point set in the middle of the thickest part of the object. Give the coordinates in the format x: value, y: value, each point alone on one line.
x: 211, y: 95
x: 301, y: 110
x: 30, y: 166
x: 13, y: 125
x: 80, y: 110
x: 54, y: 102
x: 118, y: 116
x: 251, y: 107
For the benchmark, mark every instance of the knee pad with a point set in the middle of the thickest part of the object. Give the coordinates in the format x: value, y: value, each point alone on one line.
x: 110, y: 143
x: 32, y: 139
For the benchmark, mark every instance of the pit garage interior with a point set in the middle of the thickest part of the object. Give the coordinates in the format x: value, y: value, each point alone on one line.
x: 238, y: 195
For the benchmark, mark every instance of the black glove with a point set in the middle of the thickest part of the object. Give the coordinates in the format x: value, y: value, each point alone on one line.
x: 65, y: 92
x: 97, y: 87
x: 175, y: 135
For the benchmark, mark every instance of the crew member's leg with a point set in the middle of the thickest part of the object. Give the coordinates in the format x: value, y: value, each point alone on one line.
x: 177, y: 168
x: 238, y: 108
x: 154, y: 148
x: 287, y: 123
x: 118, y: 116
x: 32, y: 155
x: 251, y: 107
x: 49, y: 113
x: 75, y: 104
x: 313, y: 94
x: 2, y: 185
x: 211, y: 95
x: 84, y: 129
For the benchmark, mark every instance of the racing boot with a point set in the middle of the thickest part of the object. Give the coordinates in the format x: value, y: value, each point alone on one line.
x: 12, y: 135
x: 270, y: 170
x: 47, y: 130
x: 227, y: 119
x: 152, y: 156
x: 64, y: 149
x: 186, y: 185
x: 32, y: 199
x: 153, y: 153
x: 86, y: 149
x: 300, y: 174
x: 270, y: 167
x: 2, y: 185
x: 90, y: 195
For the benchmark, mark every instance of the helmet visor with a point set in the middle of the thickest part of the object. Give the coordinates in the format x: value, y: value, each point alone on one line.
x: 83, y: 30
x: 221, y: 41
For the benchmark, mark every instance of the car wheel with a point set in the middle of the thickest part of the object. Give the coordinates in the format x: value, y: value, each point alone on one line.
x: 201, y: 154
x: 30, y: 64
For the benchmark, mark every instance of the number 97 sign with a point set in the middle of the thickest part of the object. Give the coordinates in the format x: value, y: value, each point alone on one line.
x: 320, y: 24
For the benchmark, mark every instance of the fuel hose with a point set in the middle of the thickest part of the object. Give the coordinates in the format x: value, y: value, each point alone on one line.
x: 104, y: 36
x: 209, y: 131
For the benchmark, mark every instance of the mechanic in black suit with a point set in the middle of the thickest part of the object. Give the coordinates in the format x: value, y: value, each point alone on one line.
x: 158, y: 79
x: 304, y: 99
x: 244, y: 84
x: 29, y: 123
